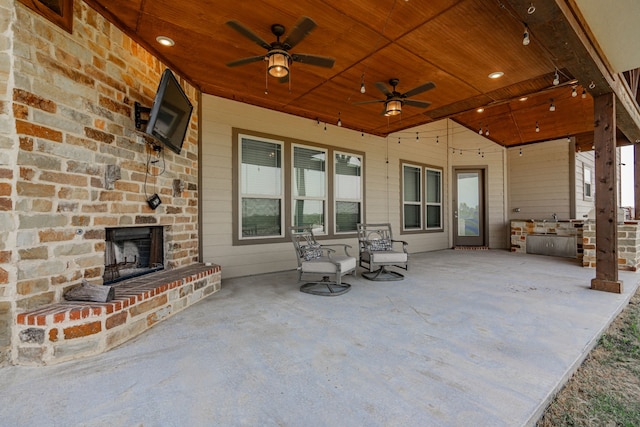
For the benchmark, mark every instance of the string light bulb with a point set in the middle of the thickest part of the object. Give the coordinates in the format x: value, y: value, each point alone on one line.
x: 362, y: 88
x: 537, y: 127
x: 437, y: 139
x: 339, y: 120
x: 480, y: 131
x: 417, y: 137
x: 552, y: 106
x: 486, y: 132
x: 520, y: 154
x: 574, y: 92
x: 584, y: 93
x: 525, y: 38
x: 556, y: 78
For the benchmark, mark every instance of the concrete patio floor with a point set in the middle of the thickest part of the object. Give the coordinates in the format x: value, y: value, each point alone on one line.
x: 481, y: 338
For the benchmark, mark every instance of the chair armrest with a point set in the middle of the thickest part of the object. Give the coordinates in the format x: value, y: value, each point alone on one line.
x: 404, y: 244
x: 343, y: 245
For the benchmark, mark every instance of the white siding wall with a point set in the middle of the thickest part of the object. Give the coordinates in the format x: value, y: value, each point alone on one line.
x: 382, y: 179
x: 539, y: 180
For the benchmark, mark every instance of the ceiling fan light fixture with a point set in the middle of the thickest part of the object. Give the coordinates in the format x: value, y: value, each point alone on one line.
x: 393, y: 107
x: 278, y: 64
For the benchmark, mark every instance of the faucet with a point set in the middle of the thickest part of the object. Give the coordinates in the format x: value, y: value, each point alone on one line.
x: 555, y: 216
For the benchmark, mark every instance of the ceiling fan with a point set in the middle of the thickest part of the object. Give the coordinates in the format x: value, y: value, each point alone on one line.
x: 278, y: 57
x: 395, y: 100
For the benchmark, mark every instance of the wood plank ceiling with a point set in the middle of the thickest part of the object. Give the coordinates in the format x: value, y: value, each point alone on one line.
x: 454, y: 43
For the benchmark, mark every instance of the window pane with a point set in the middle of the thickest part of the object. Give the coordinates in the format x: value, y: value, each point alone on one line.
x: 347, y: 216
x: 433, y: 186
x: 308, y: 172
x: 308, y: 212
x: 411, y: 183
x: 261, y: 172
x: 411, y: 216
x: 348, y: 173
x: 261, y: 217
x: 433, y: 217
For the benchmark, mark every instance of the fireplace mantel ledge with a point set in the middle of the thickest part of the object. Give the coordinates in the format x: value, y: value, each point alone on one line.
x: 71, y: 329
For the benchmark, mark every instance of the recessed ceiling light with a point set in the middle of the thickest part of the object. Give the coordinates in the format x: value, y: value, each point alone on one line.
x: 165, y: 41
x: 496, y: 75
x: 524, y: 98
x: 480, y: 110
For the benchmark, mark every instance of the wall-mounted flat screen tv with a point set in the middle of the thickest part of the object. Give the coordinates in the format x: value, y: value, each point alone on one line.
x: 170, y: 113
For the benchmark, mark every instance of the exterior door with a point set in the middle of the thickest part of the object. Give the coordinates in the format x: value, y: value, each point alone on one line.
x: 469, y: 208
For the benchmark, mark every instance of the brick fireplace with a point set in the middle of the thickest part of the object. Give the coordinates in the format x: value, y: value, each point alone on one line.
x: 132, y: 251
x: 74, y: 169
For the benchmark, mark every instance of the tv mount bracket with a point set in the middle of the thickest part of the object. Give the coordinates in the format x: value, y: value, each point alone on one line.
x: 139, y: 111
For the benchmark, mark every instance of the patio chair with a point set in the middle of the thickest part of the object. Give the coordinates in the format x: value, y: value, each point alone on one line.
x: 377, y: 252
x: 321, y: 260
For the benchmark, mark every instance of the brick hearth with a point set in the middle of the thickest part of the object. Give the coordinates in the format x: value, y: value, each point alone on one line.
x: 72, y: 329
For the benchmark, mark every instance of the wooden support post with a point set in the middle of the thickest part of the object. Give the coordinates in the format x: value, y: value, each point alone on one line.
x: 636, y: 187
x: 606, y: 196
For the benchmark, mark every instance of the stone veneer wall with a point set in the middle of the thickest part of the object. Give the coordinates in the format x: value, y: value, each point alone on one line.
x: 520, y: 229
x: 628, y: 245
x: 66, y: 113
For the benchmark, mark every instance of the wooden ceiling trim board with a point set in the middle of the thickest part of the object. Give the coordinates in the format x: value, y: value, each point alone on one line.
x: 555, y: 25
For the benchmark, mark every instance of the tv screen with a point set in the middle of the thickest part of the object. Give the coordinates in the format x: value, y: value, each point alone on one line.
x: 170, y: 113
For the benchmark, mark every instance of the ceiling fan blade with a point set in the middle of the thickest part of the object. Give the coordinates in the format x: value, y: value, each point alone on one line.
x: 245, y: 61
x: 367, y: 102
x: 383, y: 88
x: 248, y: 34
x: 416, y: 90
x: 320, y: 61
x: 414, y: 103
x: 302, y: 29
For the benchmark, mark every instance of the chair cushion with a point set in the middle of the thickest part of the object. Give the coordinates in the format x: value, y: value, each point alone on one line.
x: 388, y: 257
x: 380, y: 245
x: 323, y: 265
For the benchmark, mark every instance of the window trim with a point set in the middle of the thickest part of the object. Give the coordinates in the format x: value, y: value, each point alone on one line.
x: 423, y: 195
x: 324, y: 199
x: 287, y: 167
x: 427, y: 203
x: 241, y: 196
x: 63, y: 19
x: 420, y: 201
x: 335, y: 189
x: 587, y: 196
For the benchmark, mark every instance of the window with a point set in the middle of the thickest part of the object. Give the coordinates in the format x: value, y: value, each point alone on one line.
x: 588, y: 190
x: 433, y: 189
x: 261, y: 189
x: 348, y: 192
x: 412, y: 197
x: 282, y: 182
x: 421, y: 198
x: 309, y: 187
x: 60, y: 12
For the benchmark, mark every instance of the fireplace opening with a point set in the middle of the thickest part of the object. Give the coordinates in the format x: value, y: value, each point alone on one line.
x: 131, y: 252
